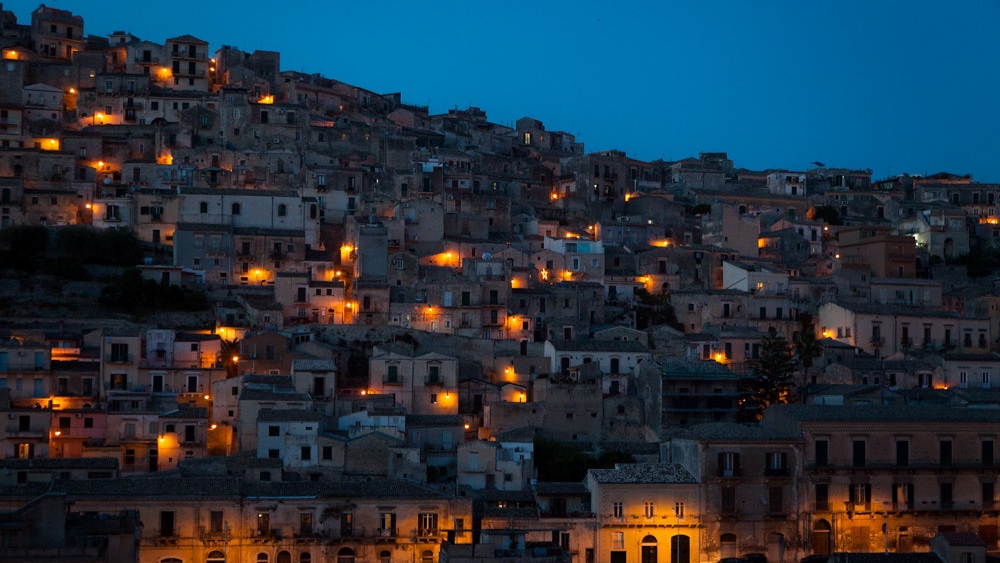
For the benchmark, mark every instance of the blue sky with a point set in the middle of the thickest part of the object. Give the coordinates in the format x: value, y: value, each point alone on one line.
x: 892, y: 86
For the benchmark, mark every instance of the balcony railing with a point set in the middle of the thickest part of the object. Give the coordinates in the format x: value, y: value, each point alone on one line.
x: 433, y: 381
x: 119, y: 358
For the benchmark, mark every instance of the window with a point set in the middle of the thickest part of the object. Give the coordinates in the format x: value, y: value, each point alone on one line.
x: 775, y: 500
x: 858, y: 454
x: 167, y: 523
x: 215, y: 522
x: 729, y: 464
x: 944, y: 452
x: 902, y: 496
x: 282, y: 210
x: 236, y: 209
x: 987, y: 452
x: 428, y: 522
x: 946, y: 495
x: 387, y: 523
x: 649, y: 509
x: 618, y: 540
x: 305, y: 524
x: 618, y: 510
x: 327, y: 453
x: 822, y: 496
x: 306, y: 453
x: 776, y: 463
x: 728, y: 500
x: 822, y: 453
x: 263, y: 524
x: 861, y: 493
x: 902, y: 453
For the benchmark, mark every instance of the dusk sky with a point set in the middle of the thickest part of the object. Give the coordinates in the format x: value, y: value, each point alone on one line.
x: 898, y: 87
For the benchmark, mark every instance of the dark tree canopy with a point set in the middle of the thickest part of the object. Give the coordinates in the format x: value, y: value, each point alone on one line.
x: 773, y: 376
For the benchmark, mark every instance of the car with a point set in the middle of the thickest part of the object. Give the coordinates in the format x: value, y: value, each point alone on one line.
x: 755, y: 558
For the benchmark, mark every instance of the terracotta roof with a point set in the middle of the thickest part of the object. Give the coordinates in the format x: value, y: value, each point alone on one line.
x: 643, y: 474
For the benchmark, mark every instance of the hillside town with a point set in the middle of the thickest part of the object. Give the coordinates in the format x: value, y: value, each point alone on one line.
x: 250, y: 314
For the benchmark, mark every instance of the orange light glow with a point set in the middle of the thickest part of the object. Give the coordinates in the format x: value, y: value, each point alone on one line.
x: 236, y: 359
x: 213, y: 427
x: 545, y: 275
x: 58, y: 433
x: 628, y: 196
x: 207, y: 397
x: 72, y: 90
x: 466, y: 425
x: 554, y: 196
x: 761, y: 243
x: 88, y: 206
x: 719, y: 357
x: 266, y: 100
x: 364, y: 391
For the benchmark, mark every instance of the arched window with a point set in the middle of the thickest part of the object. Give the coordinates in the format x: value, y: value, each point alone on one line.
x: 284, y: 557
x: 215, y: 557
x: 203, y: 207
x: 261, y: 558
x: 385, y: 556
x: 305, y: 557
x: 282, y: 210
x: 171, y: 560
x: 237, y: 208
x: 427, y: 556
x: 345, y: 555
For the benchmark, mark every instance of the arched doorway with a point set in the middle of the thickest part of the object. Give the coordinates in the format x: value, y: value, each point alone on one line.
x: 283, y: 557
x: 647, y: 553
x: 427, y: 556
x: 821, y: 538
x: 775, y: 547
x: 680, y: 549
x: 345, y: 555
x: 727, y: 543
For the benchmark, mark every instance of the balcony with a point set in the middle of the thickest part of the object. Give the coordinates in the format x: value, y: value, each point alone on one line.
x: 431, y: 380
x: 776, y: 472
x: 391, y: 381
x: 146, y: 60
x: 119, y: 358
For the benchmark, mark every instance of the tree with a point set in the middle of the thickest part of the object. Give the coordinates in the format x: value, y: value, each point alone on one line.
x: 807, y: 347
x: 21, y: 246
x: 230, y: 353
x: 772, y: 378
x: 825, y: 213
x: 653, y: 309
